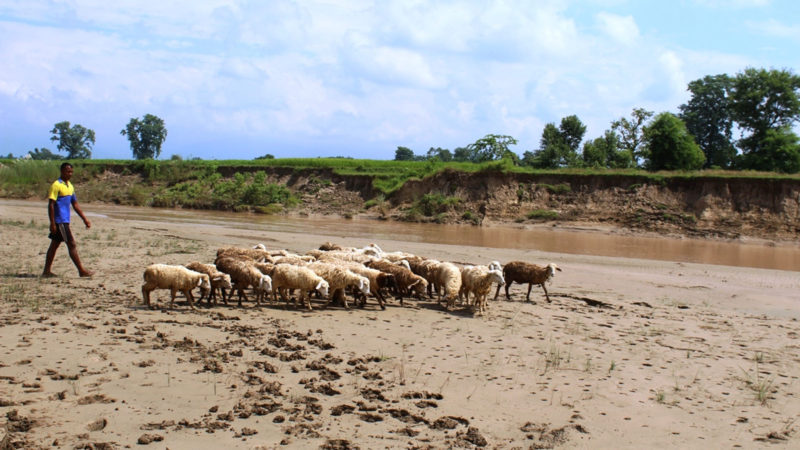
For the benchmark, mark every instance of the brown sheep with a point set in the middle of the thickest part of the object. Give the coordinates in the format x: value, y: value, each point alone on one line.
x: 522, y: 272
x: 406, y: 281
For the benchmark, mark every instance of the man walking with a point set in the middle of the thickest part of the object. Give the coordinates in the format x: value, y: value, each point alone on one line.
x: 61, y: 197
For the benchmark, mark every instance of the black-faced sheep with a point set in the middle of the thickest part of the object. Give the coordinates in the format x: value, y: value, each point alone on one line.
x: 174, y: 278
x: 522, y: 272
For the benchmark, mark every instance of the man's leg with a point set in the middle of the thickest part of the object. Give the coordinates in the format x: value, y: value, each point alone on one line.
x: 73, y: 253
x: 48, y: 261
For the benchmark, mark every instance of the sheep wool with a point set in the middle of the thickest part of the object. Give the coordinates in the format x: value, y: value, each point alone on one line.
x: 174, y: 278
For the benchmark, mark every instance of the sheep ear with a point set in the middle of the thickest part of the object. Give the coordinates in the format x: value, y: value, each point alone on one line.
x: 414, y: 283
x: 319, y: 285
x: 199, y: 282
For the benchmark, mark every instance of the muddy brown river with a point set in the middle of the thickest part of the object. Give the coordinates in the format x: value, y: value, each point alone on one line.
x: 761, y: 255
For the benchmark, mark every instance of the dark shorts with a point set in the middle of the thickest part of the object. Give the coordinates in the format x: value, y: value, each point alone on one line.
x: 62, y: 234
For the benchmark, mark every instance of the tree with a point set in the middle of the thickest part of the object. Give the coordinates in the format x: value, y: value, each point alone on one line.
x: 146, y: 136
x: 461, y: 154
x: 403, y: 154
x: 605, y: 152
x: 766, y: 103
x: 670, y: 145
x: 558, y: 147
x: 708, y: 118
x: 490, y: 147
x: 777, y: 150
x: 44, y: 154
x: 443, y: 154
x: 630, y: 132
x: 76, y: 140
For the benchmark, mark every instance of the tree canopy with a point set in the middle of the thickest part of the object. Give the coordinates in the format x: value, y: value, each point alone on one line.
x: 146, y: 136
x: 707, y: 116
x: 76, y: 140
x: 558, y: 147
x: 670, y: 145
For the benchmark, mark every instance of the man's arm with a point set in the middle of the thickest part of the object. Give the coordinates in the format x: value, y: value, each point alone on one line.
x: 77, y: 209
x: 51, y: 212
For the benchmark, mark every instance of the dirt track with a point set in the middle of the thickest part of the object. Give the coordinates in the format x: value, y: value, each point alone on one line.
x: 630, y: 353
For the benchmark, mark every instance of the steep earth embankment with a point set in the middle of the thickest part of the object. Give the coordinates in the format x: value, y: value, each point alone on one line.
x: 714, y: 207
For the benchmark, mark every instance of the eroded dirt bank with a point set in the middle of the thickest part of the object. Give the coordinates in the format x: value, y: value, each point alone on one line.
x: 712, y: 207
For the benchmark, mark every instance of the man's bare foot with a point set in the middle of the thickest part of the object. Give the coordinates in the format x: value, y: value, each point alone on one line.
x: 86, y: 274
x: 48, y: 275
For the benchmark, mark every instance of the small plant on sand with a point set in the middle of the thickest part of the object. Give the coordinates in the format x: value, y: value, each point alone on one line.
x: 612, y: 367
x: 660, y: 396
x: 762, y: 387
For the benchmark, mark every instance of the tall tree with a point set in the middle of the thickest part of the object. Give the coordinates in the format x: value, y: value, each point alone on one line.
x: 558, y: 147
x: 490, y: 147
x: 146, y: 136
x: 76, y: 140
x: 708, y: 118
x: 670, y: 145
x: 765, y: 103
x: 403, y: 154
x: 631, y: 132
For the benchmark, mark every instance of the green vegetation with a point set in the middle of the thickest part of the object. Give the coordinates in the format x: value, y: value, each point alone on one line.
x: 542, y: 214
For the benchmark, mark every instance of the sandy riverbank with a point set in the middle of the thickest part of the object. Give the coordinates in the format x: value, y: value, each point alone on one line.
x: 630, y: 353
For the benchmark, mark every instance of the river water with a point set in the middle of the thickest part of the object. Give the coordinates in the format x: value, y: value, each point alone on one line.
x: 781, y: 257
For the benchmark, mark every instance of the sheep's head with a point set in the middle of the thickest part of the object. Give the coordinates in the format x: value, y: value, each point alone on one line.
x: 204, y: 283
x: 553, y: 267
x: 265, y: 283
x: 495, y: 265
x: 322, y: 287
x: 420, y: 286
x: 363, y: 285
x: 497, y: 276
x: 404, y: 263
x: 223, y: 281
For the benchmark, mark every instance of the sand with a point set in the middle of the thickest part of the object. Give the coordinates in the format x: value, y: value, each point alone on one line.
x: 629, y: 354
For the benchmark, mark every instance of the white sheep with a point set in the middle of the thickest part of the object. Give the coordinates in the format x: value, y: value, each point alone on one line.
x: 522, y: 272
x: 448, y: 280
x: 219, y: 280
x: 287, y: 276
x: 174, y: 278
x: 478, y: 281
x: 339, y: 279
x: 377, y: 280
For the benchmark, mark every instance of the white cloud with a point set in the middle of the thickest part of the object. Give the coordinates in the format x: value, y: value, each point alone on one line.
x: 775, y: 28
x: 621, y: 29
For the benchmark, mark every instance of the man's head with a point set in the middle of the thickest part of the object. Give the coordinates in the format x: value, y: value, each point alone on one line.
x: 66, y: 171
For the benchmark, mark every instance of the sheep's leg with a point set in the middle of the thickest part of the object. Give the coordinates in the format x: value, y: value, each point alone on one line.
x: 545, y: 293
x: 222, y: 291
x: 508, y: 285
x: 528, y: 297
x: 497, y: 292
x: 146, y: 295
x: 189, y: 298
x: 172, y: 293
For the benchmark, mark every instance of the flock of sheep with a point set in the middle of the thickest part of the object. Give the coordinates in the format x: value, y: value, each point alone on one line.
x: 334, y: 273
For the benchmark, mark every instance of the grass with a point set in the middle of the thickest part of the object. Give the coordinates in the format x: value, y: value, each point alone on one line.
x: 542, y: 214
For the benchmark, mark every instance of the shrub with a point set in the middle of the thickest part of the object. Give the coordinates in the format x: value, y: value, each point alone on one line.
x: 542, y: 214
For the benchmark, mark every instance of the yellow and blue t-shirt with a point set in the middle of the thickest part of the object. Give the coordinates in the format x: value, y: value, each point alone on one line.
x: 63, y: 193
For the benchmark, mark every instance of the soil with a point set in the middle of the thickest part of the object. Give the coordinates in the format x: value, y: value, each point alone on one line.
x: 629, y: 353
x: 714, y: 208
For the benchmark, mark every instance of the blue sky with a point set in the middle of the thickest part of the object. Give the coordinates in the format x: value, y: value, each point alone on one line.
x: 239, y: 79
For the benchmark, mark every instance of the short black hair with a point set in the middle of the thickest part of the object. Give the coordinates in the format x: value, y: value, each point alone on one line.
x: 65, y: 165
